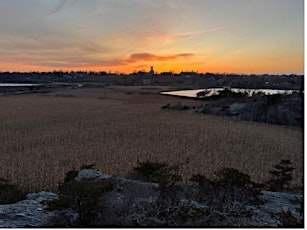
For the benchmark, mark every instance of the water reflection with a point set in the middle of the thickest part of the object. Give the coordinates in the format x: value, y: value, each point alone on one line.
x: 216, y: 91
x: 17, y: 84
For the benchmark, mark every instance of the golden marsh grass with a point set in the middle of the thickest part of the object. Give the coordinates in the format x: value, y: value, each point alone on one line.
x: 43, y: 136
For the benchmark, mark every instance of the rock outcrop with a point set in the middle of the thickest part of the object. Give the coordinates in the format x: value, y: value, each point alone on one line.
x: 275, y: 202
x: 137, y: 203
x: 27, y: 213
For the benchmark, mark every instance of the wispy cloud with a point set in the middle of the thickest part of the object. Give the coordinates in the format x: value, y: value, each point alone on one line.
x: 185, y: 34
x: 198, y: 32
x: 143, y: 58
x: 159, y: 33
x: 60, y: 5
x: 137, y: 57
x: 81, y: 55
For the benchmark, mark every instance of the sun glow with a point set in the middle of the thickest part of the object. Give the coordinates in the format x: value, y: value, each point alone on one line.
x: 128, y: 36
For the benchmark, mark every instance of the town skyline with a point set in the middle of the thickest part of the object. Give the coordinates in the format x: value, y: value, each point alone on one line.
x: 238, y: 36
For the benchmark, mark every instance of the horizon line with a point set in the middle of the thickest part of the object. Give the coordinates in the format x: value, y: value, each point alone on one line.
x: 156, y: 73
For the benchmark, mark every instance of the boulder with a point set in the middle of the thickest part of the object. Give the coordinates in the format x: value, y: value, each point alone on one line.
x: 119, y: 202
x: 27, y: 213
x: 275, y: 202
x: 91, y: 173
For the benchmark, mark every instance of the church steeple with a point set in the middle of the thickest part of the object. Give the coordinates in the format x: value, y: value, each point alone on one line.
x: 151, y: 72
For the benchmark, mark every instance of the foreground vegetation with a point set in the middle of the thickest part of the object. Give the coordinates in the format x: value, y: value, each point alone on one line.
x: 229, y: 199
x: 43, y: 136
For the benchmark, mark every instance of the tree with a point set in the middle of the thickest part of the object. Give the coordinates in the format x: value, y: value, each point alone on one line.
x: 281, y: 176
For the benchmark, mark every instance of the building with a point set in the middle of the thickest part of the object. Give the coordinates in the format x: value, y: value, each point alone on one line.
x: 151, y: 72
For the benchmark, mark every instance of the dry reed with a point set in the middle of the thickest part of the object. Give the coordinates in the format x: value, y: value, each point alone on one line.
x: 42, y: 137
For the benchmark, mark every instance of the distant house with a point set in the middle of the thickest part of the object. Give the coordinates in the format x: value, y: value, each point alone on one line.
x: 166, y: 74
x: 141, y: 73
x: 150, y: 73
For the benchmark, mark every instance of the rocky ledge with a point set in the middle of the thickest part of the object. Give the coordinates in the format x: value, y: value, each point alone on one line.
x: 128, y: 203
x: 27, y: 213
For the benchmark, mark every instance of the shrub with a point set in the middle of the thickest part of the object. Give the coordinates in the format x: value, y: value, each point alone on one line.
x: 232, y: 177
x: 201, y: 180
x: 91, y: 166
x: 274, y: 99
x: 167, y: 106
x: 287, y: 219
x: 10, y: 193
x: 70, y: 176
x: 166, y: 205
x: 281, y: 176
x: 227, y: 195
x: 158, y: 172
x: 227, y: 93
x: 168, y: 179
x: 228, y: 178
x: 202, y: 94
x: 81, y: 196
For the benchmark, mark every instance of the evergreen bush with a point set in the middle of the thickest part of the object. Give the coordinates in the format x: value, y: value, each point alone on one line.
x: 281, y: 176
x: 10, y: 193
x: 81, y: 196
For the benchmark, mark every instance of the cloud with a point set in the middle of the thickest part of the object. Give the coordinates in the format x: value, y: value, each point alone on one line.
x: 158, y: 33
x: 140, y: 57
x: 137, y: 57
x: 141, y: 66
x: 198, y: 32
x: 60, y: 5
x: 185, y: 34
x: 50, y: 52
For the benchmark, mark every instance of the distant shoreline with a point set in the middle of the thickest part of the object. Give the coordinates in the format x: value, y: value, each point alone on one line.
x: 24, y: 88
x: 215, y: 91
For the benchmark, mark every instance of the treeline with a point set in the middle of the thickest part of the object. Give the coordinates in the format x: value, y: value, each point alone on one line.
x: 183, y: 80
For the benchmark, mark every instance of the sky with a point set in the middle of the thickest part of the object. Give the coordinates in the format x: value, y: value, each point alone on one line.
x: 124, y: 36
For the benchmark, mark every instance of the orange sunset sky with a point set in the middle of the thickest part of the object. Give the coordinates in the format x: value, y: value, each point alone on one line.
x: 234, y: 36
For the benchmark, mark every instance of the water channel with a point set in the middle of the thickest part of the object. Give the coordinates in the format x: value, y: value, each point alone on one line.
x: 216, y: 91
